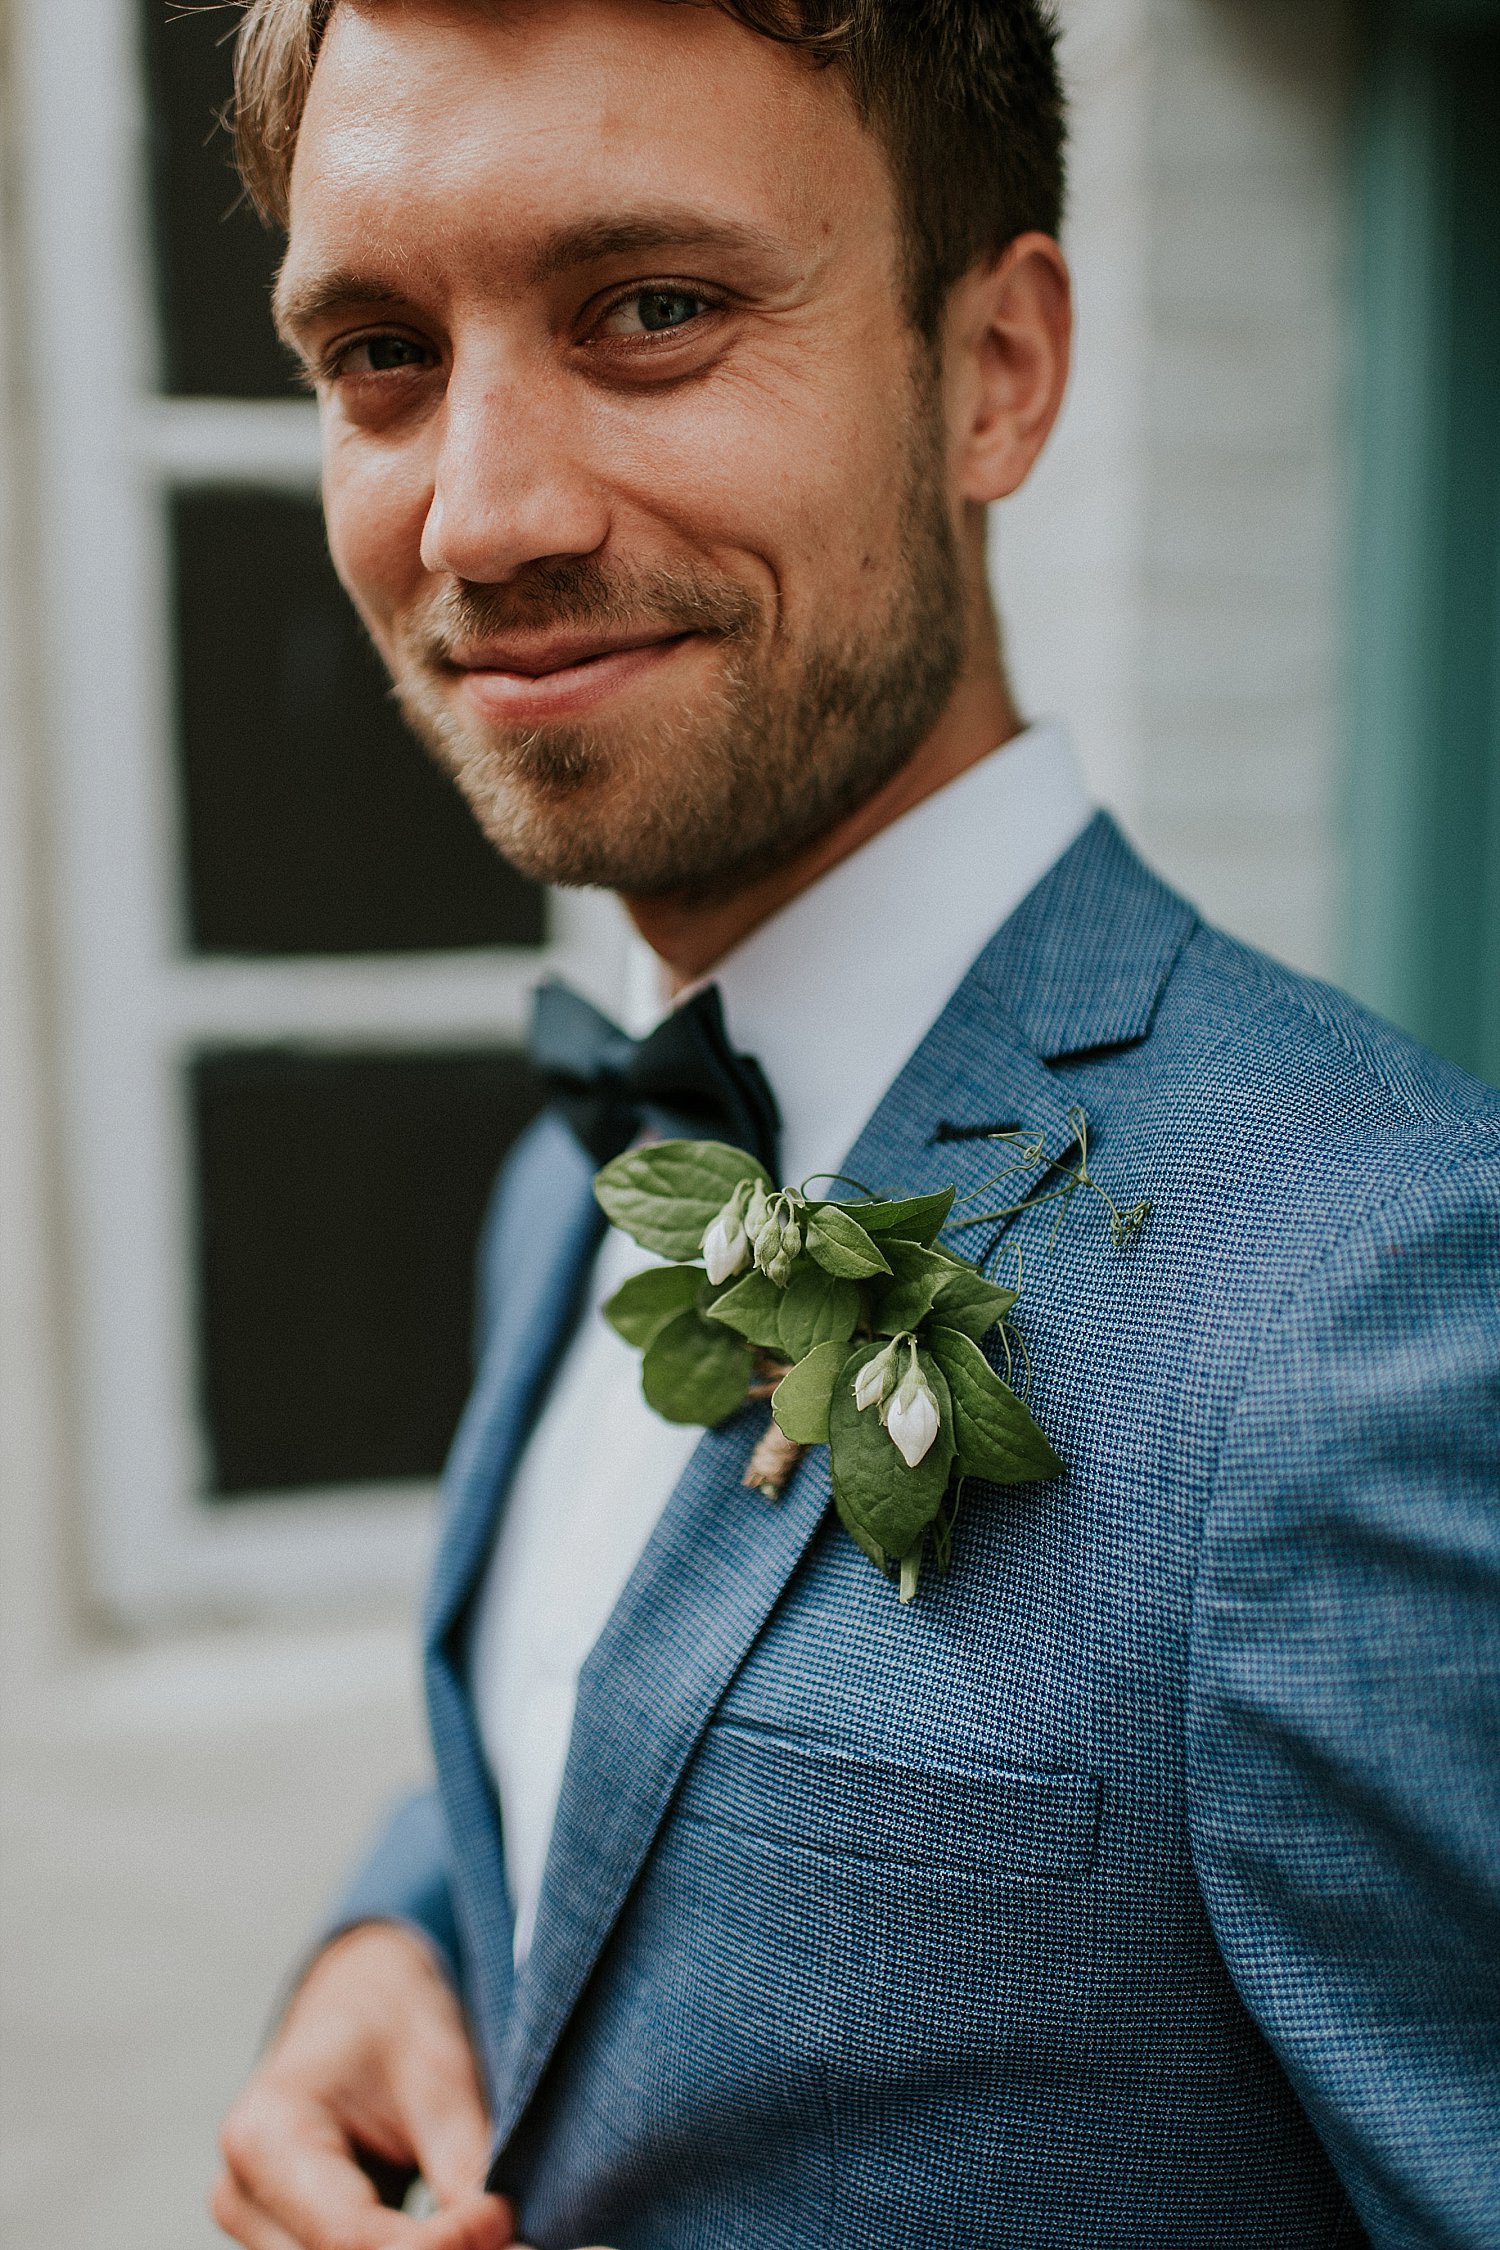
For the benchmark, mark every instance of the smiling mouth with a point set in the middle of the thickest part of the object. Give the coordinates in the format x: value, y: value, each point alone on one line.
x: 519, y: 684
x: 550, y: 659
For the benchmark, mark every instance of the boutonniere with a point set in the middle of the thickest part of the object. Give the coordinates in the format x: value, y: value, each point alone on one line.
x: 859, y: 1326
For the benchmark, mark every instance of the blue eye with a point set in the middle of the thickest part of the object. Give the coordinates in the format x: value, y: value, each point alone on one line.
x: 652, y: 312
x: 666, y: 308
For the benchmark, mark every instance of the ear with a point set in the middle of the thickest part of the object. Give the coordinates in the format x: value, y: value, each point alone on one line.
x: 1007, y: 341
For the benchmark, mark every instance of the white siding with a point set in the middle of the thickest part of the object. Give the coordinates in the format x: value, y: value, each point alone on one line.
x: 1174, y: 575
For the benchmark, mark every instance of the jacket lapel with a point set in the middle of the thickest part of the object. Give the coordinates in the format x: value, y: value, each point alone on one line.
x: 1079, y: 966
x: 1084, y: 960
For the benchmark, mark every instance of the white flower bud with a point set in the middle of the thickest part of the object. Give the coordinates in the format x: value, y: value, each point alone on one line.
x: 726, y: 1246
x: 726, y: 1241
x: 873, y: 1382
x: 868, y: 1385
x: 912, y: 1420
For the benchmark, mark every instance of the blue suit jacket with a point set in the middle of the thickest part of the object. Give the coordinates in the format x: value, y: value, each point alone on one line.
x: 1139, y: 1884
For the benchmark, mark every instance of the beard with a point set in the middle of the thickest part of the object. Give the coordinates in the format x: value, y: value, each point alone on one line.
x: 698, y: 802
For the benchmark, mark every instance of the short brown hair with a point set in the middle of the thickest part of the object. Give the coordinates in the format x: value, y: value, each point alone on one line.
x: 965, y: 95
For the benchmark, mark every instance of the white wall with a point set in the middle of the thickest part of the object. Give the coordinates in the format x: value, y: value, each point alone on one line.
x: 1173, y: 576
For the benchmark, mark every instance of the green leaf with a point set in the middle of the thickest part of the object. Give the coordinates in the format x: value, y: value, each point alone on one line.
x: 935, y: 1281
x: 862, y: 1540
x: 919, y: 1219
x: 891, y: 1504
x: 666, y: 1196
x: 997, y: 1438
x: 801, y: 1400
x: 753, y: 1306
x: 841, y: 1245
x: 906, y: 1300
x: 969, y: 1303
x: 641, y: 1307
x: 695, y: 1372
x: 952, y: 1257
x: 816, y: 1308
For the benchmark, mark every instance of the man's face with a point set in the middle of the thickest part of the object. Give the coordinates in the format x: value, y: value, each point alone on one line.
x: 632, y: 464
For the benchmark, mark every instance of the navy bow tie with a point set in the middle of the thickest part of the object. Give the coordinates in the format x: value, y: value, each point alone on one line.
x: 684, y: 1082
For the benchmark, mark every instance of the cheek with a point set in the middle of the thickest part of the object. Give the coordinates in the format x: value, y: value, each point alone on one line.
x: 375, y: 510
x: 801, y: 483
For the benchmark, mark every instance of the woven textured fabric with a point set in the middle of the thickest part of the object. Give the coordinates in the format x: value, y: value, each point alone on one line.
x: 1140, y: 1883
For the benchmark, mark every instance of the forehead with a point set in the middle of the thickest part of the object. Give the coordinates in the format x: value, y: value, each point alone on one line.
x: 455, y: 130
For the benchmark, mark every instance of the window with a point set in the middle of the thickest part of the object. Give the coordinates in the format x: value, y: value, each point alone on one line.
x: 295, y: 978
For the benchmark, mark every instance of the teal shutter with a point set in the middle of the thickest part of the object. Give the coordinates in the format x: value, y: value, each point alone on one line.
x: 1425, y: 785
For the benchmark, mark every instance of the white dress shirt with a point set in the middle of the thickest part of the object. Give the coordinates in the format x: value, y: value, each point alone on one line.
x: 832, y: 994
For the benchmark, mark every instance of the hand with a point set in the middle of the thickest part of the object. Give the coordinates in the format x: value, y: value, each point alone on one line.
x: 371, y: 2073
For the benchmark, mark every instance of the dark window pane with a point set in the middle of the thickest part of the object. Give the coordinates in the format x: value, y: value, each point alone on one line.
x: 215, y: 262
x: 314, y: 822
x: 340, y: 1198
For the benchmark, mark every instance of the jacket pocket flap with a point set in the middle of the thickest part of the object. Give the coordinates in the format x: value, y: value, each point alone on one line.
x: 984, y: 1820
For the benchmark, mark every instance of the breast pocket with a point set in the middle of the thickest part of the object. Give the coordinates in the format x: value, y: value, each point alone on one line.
x: 989, y: 1825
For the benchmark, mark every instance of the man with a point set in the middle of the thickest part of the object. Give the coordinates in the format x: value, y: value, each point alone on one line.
x: 1137, y: 1883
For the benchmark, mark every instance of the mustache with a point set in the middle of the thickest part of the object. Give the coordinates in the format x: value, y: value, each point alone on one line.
x: 566, y: 590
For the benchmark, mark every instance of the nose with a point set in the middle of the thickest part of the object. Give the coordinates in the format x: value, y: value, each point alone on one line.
x: 511, y: 485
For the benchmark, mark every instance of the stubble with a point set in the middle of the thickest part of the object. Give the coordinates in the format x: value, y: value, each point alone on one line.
x: 701, y: 802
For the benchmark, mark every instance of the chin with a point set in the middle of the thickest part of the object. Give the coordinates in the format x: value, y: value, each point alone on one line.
x: 647, y: 844
x: 574, y: 825
x: 645, y: 812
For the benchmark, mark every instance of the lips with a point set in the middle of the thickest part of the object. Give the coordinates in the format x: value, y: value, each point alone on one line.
x: 535, y: 659
x: 516, y: 682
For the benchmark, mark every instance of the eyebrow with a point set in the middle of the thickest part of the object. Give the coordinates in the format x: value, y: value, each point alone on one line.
x: 593, y: 240
x: 300, y: 301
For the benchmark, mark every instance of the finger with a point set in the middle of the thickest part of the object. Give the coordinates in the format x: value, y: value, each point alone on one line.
x: 485, y: 2225
x: 484, y: 2222
x: 243, y: 2221
x: 292, y: 2165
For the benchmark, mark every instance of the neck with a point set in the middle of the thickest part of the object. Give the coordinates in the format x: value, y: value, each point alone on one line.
x: 980, y: 715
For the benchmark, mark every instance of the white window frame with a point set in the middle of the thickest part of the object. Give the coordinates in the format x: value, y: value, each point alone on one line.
x: 133, y: 1003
